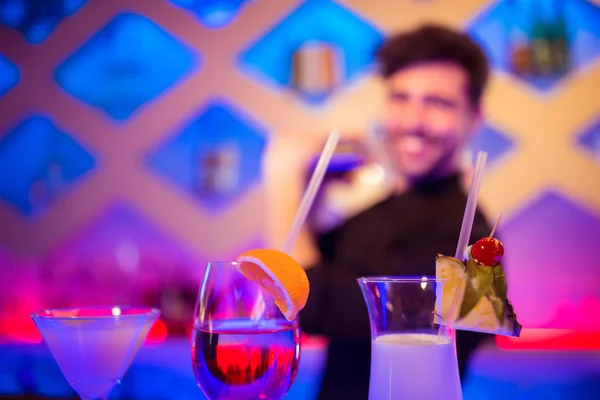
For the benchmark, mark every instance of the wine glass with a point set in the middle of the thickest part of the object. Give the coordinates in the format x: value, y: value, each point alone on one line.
x: 242, y: 345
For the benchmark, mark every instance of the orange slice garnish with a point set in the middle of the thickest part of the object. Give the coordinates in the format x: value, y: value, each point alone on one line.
x: 279, y: 275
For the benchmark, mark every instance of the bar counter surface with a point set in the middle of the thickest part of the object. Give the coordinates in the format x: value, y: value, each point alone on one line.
x: 28, y: 372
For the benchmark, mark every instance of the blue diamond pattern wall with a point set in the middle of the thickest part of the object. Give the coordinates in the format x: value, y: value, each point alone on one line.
x: 166, y: 108
x: 502, y: 21
x: 40, y: 163
x: 495, y: 143
x: 315, y: 20
x: 212, y: 13
x: 128, y: 63
x: 36, y: 19
x: 220, y: 131
x: 590, y: 139
x: 9, y: 75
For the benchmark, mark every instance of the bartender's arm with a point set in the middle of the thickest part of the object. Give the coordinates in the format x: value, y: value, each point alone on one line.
x: 335, y: 302
x: 284, y: 171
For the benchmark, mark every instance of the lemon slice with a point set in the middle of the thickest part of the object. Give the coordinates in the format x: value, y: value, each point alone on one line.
x: 279, y: 275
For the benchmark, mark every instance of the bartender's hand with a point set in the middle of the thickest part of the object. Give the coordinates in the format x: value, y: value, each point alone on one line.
x: 290, y: 153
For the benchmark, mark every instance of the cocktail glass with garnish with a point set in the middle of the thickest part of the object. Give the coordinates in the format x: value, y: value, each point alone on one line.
x: 243, y: 346
x: 413, y: 356
x: 94, y: 346
x: 246, y: 338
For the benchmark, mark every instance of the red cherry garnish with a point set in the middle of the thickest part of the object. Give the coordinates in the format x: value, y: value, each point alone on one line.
x: 488, y: 251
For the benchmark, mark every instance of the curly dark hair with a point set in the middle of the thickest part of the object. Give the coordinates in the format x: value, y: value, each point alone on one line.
x: 432, y: 42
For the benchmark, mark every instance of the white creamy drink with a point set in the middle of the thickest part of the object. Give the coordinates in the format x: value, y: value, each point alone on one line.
x: 414, y: 366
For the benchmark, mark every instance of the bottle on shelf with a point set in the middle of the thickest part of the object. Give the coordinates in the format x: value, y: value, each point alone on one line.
x: 218, y: 169
x: 520, y: 61
x: 316, y: 68
x: 560, y: 48
x: 541, y: 44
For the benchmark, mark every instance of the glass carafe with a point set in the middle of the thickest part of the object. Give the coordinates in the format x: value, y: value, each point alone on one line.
x: 413, y: 351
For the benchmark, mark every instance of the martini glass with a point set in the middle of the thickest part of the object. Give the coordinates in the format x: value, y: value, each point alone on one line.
x: 94, y: 346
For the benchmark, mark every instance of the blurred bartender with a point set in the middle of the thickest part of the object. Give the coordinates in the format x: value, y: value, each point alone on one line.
x: 434, y: 78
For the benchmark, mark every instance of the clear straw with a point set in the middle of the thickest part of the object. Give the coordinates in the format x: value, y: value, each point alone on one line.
x: 465, y: 230
x: 311, y: 191
x: 469, y: 216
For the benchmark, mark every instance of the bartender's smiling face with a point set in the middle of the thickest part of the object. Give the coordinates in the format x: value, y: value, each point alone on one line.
x: 428, y: 118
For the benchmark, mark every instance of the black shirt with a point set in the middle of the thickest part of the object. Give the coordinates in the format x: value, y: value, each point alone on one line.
x: 401, y: 235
